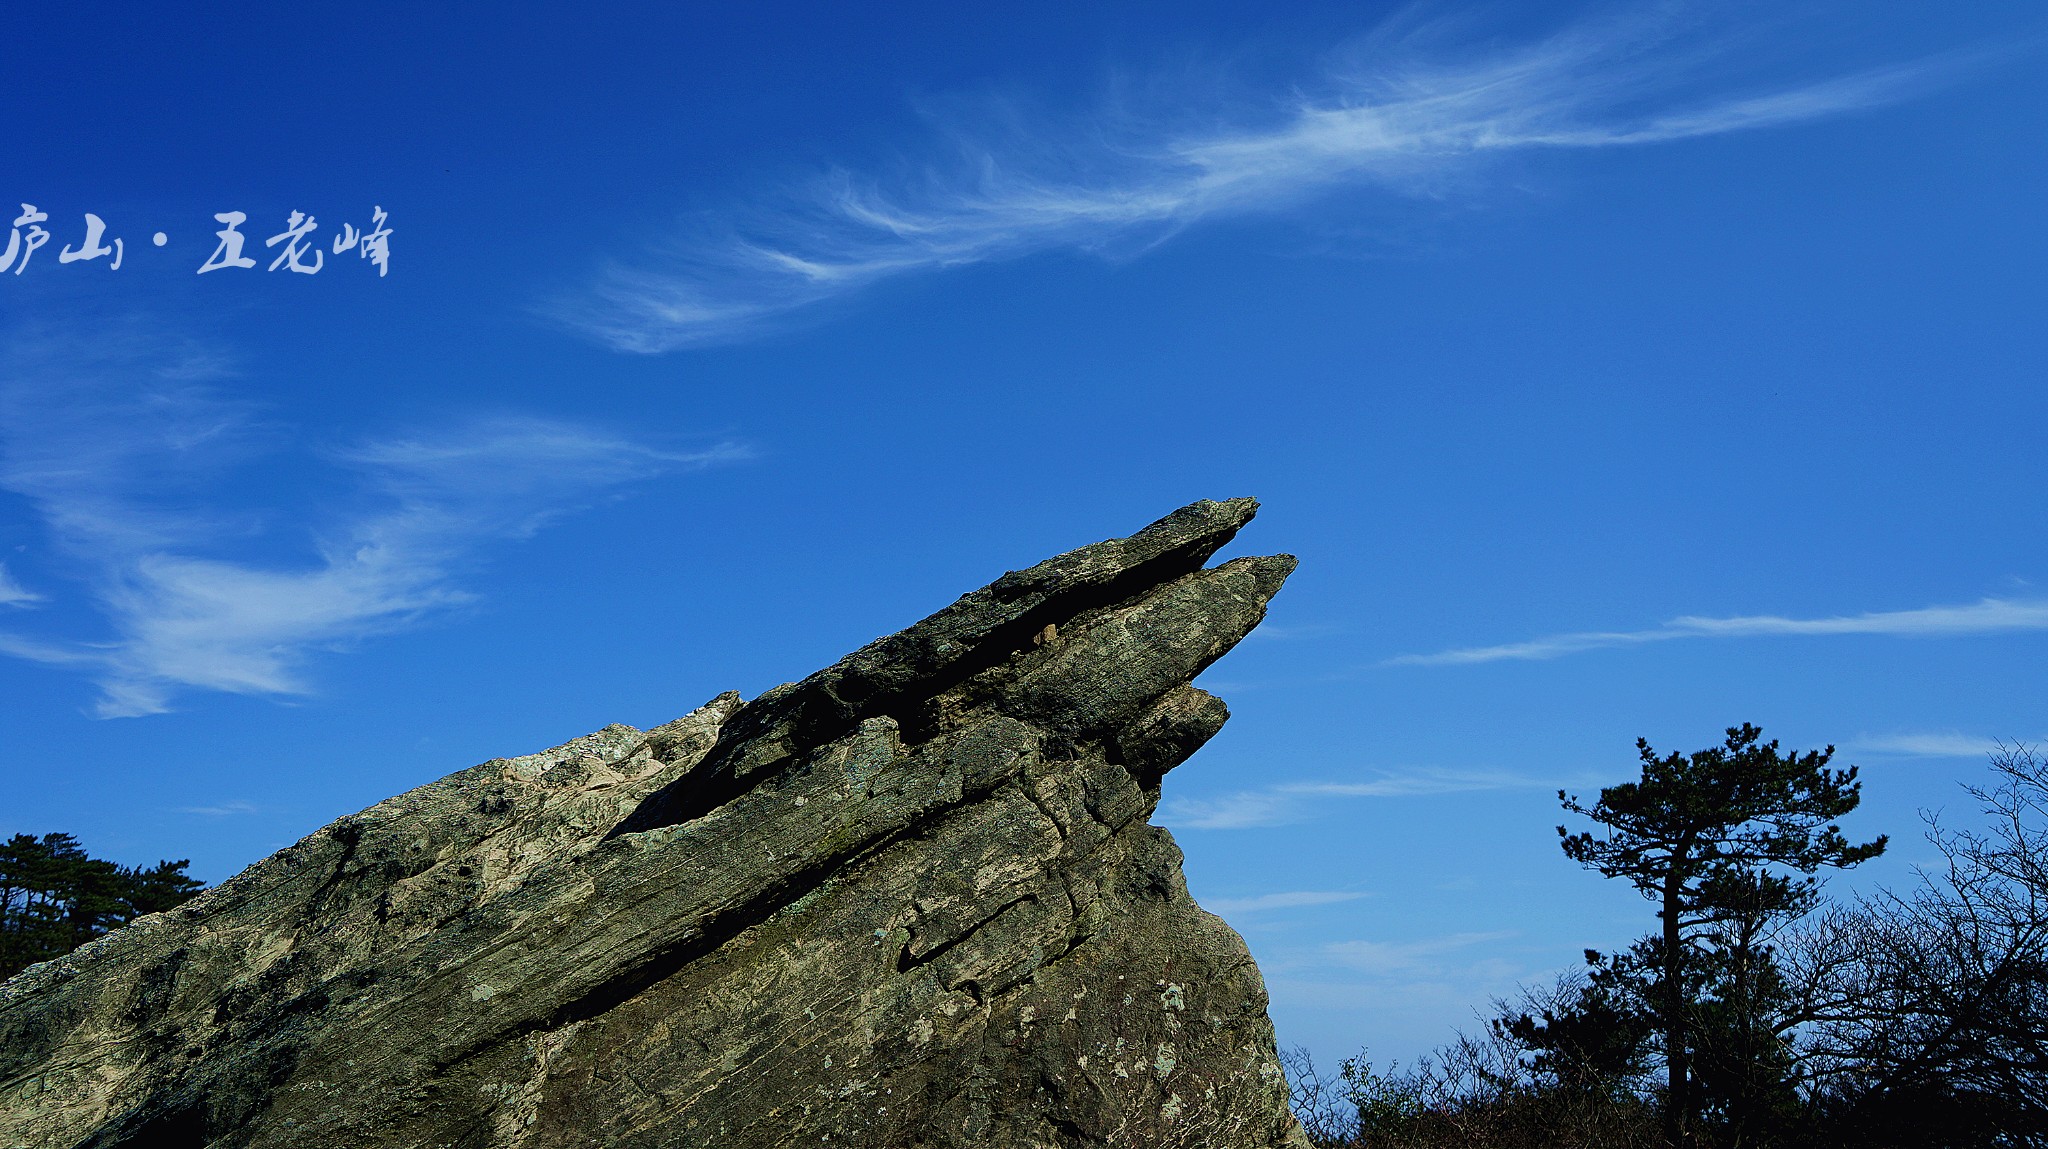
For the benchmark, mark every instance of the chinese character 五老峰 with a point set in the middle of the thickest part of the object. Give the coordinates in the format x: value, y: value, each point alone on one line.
x: 296, y: 228
x: 374, y: 246
x: 229, y: 252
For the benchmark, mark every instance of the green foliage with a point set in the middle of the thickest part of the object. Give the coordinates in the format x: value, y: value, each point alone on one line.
x: 54, y: 897
x: 1388, y: 1107
x: 1698, y: 827
x: 1594, y: 1039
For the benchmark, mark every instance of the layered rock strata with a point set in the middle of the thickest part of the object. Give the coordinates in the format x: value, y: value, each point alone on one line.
x: 912, y: 902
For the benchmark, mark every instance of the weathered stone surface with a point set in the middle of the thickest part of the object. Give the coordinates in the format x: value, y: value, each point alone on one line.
x: 911, y: 901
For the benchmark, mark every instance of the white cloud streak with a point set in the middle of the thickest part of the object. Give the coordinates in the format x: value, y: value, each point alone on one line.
x: 1987, y: 616
x: 116, y: 454
x: 13, y: 593
x: 1392, y: 119
x: 1293, y: 802
x: 223, y: 810
x: 1245, y: 810
x: 1290, y: 900
x: 1385, y: 959
x: 1930, y: 744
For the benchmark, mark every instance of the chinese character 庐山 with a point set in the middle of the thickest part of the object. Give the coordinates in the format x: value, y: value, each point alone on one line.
x: 91, y: 248
x: 37, y: 237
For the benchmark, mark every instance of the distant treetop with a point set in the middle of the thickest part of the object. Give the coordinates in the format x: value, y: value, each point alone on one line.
x: 55, y: 898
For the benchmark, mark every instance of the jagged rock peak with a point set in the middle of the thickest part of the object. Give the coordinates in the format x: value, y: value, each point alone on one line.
x: 910, y: 901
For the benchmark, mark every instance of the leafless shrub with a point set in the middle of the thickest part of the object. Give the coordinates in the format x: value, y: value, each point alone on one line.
x: 1326, y: 1114
x: 1927, y: 1011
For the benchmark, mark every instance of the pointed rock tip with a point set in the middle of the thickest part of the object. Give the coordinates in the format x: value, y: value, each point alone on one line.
x: 979, y: 629
x: 1235, y: 512
x: 1205, y: 517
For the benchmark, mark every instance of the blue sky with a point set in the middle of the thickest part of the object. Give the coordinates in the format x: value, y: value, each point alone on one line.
x: 1614, y: 370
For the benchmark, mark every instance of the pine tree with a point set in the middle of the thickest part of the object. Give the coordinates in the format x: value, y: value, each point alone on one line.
x: 54, y: 897
x: 1708, y: 837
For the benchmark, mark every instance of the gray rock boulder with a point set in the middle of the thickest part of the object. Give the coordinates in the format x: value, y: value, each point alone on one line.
x: 911, y: 902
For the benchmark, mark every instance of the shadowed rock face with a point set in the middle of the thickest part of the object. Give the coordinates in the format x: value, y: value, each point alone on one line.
x: 910, y: 901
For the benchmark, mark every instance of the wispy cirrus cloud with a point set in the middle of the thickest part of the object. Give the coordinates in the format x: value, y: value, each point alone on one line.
x: 1930, y: 744
x: 1288, y: 900
x: 1292, y: 802
x: 118, y: 447
x: 1987, y: 616
x: 222, y: 810
x: 1403, y: 113
x: 13, y: 593
x: 1385, y: 959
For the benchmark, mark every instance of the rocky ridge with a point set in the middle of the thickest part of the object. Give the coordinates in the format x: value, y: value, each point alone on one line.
x: 910, y: 901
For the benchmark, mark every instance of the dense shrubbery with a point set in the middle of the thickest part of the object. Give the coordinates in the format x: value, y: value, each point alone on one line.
x: 1904, y: 1019
x: 1478, y: 1092
x: 54, y: 898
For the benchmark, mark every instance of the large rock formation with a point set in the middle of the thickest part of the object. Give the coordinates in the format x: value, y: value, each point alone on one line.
x: 910, y: 901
